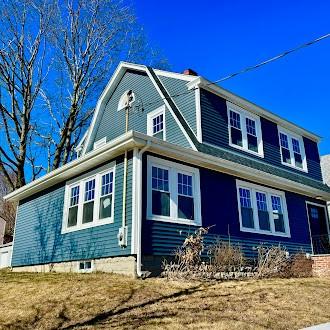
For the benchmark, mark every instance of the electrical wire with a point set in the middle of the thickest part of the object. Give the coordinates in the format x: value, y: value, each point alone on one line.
x: 247, y: 69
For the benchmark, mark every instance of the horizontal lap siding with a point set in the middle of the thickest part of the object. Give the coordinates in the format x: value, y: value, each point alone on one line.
x: 220, y: 209
x: 183, y: 98
x: 112, y: 122
x: 215, y: 131
x: 38, y: 237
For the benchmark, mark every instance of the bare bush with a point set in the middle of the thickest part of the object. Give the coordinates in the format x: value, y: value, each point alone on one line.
x: 226, y: 257
x: 273, y: 261
x: 300, y: 266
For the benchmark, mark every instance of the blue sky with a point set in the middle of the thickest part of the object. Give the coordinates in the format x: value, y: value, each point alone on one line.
x: 216, y: 38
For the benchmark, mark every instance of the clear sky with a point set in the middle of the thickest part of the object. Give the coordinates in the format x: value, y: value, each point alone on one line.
x: 216, y: 38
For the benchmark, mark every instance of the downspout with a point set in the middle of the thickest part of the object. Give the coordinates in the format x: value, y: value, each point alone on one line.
x: 139, y: 209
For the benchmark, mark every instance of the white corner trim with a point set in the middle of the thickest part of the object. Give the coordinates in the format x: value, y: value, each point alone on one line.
x: 134, y: 226
x: 251, y: 107
x: 171, y: 110
x: 198, y: 114
x: 253, y: 188
x: 173, y: 168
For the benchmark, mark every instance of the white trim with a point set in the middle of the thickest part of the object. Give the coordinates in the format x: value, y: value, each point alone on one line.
x: 243, y: 116
x: 251, y: 107
x: 198, y: 114
x: 85, y: 270
x: 155, y: 113
x: 291, y: 135
x: 135, y: 139
x: 171, y: 110
x: 97, y: 195
x: 253, y: 188
x: 173, y: 168
x: 99, y: 143
x: 135, y: 200
x: 308, y: 219
x: 175, y: 75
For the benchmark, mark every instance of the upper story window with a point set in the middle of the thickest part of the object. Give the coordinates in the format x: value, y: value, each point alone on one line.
x: 262, y: 210
x: 244, y: 130
x: 156, y: 123
x: 173, y: 192
x: 292, y: 150
x: 89, y: 201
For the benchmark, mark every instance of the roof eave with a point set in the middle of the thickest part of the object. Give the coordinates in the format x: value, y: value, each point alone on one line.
x: 250, y: 106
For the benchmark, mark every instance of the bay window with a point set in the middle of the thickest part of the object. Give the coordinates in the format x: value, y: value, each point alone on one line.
x: 89, y: 200
x: 173, y: 192
x: 262, y: 210
x: 244, y: 130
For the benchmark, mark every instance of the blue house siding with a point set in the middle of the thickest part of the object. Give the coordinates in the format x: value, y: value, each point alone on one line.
x: 220, y: 208
x: 185, y: 100
x: 38, y: 237
x: 112, y: 122
x: 214, y: 121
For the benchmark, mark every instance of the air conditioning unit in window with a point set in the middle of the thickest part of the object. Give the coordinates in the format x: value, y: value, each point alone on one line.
x: 122, y: 236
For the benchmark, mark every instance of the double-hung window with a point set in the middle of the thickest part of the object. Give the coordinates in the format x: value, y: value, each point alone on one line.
x: 89, y: 200
x: 244, y: 130
x: 292, y: 150
x: 262, y: 210
x: 173, y: 192
x: 156, y: 123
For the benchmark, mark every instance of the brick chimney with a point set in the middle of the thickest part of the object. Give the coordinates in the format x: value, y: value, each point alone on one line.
x: 190, y: 72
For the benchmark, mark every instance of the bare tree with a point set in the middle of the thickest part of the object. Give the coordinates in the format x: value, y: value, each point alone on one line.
x: 24, y: 25
x: 7, y: 209
x: 93, y: 36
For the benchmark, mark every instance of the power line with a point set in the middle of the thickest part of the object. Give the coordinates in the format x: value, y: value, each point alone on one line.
x: 249, y: 68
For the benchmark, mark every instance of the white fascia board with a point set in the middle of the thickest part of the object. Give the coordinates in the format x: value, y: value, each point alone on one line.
x: 250, y: 106
x: 175, y: 75
x: 112, y: 84
x: 78, y: 166
x: 225, y: 166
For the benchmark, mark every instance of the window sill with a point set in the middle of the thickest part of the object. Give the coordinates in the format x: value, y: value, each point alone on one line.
x: 262, y: 232
x: 174, y: 220
x: 261, y: 155
x: 294, y: 167
x: 93, y: 224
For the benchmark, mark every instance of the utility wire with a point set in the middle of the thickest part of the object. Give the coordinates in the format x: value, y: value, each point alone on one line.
x: 249, y: 68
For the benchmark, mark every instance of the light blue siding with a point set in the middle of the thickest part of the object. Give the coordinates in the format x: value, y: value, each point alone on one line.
x: 38, y: 237
x: 184, y: 99
x: 112, y: 122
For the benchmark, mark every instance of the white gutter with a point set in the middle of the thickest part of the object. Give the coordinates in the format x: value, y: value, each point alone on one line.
x: 250, y: 106
x: 78, y: 166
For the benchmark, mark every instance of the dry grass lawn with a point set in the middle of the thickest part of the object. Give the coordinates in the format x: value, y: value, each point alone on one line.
x: 103, y: 301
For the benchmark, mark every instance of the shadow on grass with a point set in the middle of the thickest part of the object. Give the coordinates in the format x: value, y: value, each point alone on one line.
x: 111, y: 313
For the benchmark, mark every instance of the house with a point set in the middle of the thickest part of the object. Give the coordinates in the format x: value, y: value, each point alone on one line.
x: 164, y: 154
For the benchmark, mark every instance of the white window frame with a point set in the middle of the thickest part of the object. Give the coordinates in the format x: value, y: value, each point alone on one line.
x: 88, y: 270
x: 100, y: 143
x: 243, y: 115
x: 153, y: 114
x: 98, y: 184
x: 174, y: 169
x: 269, y: 192
x: 291, y: 135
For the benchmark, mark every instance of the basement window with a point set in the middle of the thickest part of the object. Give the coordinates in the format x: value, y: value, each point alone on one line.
x: 85, y: 266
